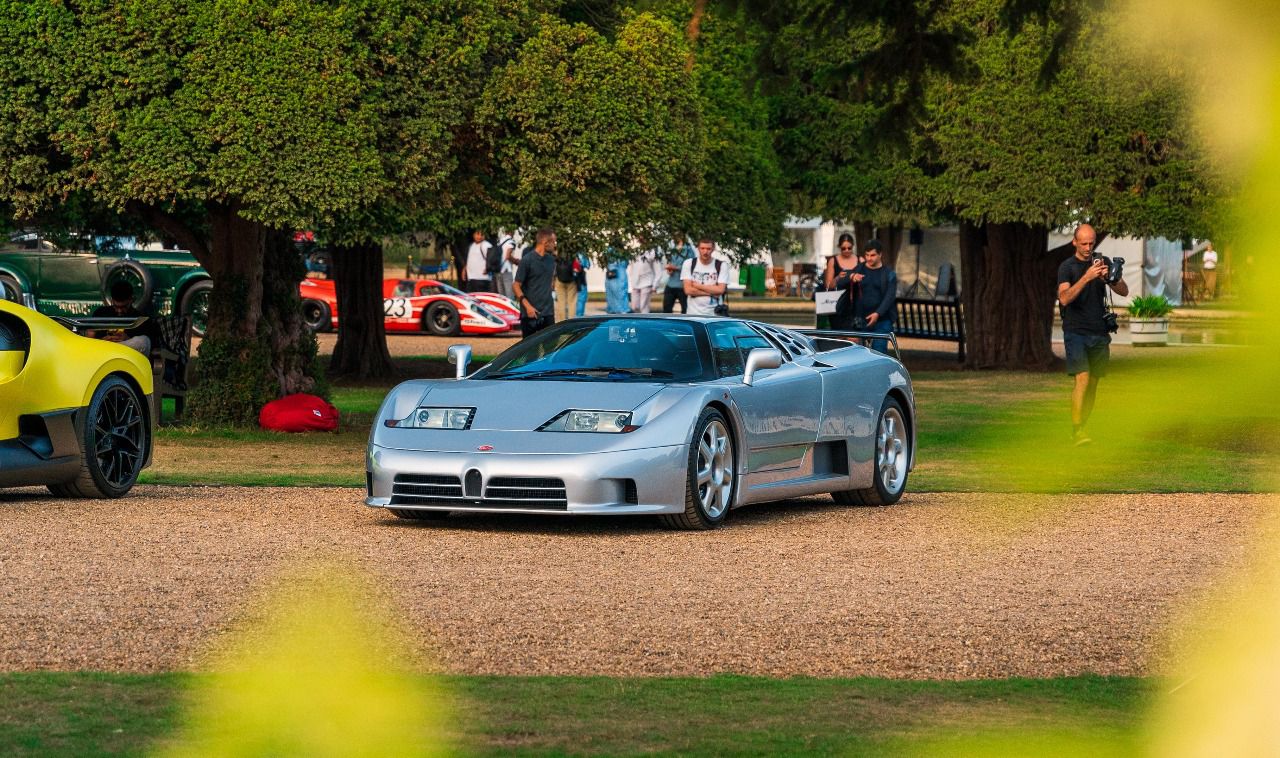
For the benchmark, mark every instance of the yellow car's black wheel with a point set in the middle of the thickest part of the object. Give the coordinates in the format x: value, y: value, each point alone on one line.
x: 114, y: 436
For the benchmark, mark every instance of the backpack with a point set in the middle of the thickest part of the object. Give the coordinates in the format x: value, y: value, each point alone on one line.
x: 564, y: 269
x: 493, y: 259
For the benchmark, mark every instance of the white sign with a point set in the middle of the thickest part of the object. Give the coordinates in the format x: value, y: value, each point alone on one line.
x: 825, y: 302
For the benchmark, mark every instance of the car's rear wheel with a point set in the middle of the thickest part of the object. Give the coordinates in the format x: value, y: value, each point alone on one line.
x: 412, y: 515
x: 442, y: 320
x: 114, y: 437
x: 195, y: 305
x: 10, y: 289
x: 316, y: 315
x: 892, y: 459
x: 711, y: 480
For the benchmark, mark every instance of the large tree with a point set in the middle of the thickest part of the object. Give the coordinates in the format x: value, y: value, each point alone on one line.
x: 226, y: 125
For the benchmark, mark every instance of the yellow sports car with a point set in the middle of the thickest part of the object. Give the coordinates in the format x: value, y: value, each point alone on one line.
x: 75, y: 413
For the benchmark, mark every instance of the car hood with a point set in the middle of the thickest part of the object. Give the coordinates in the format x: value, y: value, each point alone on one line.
x: 525, y: 405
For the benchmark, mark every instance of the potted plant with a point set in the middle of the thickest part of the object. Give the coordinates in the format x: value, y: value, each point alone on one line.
x: 1149, y: 320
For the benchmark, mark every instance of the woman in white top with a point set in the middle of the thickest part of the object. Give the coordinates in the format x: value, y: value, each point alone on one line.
x: 477, y: 275
x: 643, y: 274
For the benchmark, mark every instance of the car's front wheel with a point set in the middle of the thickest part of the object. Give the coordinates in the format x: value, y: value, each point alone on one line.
x: 442, y: 320
x: 195, y: 305
x: 114, y: 438
x: 711, y: 480
x: 891, y: 462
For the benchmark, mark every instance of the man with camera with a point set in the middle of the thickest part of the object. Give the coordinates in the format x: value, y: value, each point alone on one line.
x: 1087, y: 323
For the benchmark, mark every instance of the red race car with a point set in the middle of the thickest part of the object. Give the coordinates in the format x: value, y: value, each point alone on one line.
x: 417, y: 305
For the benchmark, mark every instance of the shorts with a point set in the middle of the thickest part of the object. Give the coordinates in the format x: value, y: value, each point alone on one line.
x: 1087, y: 352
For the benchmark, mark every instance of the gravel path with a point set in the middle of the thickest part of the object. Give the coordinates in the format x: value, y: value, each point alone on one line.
x: 942, y: 585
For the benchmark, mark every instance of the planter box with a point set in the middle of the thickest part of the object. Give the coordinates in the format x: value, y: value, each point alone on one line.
x: 1149, y: 331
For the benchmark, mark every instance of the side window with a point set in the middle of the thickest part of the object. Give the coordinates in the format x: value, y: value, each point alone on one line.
x: 429, y: 289
x: 730, y: 343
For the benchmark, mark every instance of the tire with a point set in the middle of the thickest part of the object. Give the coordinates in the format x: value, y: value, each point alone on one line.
x: 136, y: 274
x: 10, y: 289
x: 195, y: 304
x: 317, y: 316
x: 110, y: 464
x: 709, y: 494
x: 441, y: 319
x: 892, y: 457
x: 405, y: 513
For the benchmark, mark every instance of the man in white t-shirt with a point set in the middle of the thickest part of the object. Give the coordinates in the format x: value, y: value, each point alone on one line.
x: 476, y: 273
x: 1209, y: 268
x: 705, y: 280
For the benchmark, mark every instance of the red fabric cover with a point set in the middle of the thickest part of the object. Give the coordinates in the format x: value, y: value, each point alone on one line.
x: 299, y: 413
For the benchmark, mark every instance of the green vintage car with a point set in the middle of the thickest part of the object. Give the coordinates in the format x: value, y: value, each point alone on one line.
x: 63, y: 282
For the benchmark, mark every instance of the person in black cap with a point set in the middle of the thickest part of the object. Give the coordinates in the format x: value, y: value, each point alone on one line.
x: 139, y: 338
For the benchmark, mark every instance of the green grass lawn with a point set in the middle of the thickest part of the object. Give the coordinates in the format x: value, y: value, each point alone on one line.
x: 89, y: 714
x: 1174, y: 421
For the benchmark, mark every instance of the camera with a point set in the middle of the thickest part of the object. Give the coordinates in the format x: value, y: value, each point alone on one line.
x: 1115, y: 268
x: 1111, y: 322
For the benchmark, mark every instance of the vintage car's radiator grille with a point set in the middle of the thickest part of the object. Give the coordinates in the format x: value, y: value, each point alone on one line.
x: 426, y: 486
x: 501, y: 492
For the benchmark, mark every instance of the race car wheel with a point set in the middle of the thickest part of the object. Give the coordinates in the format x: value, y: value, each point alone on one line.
x: 442, y: 320
x: 892, y: 457
x: 711, y: 482
x: 195, y: 305
x: 137, y: 275
x: 10, y: 289
x: 316, y: 315
x: 114, y: 437
x: 405, y: 513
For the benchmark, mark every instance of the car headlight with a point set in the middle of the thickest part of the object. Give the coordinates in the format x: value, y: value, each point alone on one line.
x: 590, y: 421
x: 435, y: 418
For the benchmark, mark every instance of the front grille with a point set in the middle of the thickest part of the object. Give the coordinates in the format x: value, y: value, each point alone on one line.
x: 527, y: 492
x: 502, y: 492
x: 416, y: 486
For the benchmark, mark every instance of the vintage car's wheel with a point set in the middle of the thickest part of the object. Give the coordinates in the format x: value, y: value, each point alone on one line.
x: 316, y: 315
x: 892, y: 457
x: 442, y: 320
x: 114, y: 437
x: 711, y: 480
x: 405, y: 513
x: 195, y: 305
x: 137, y: 275
x: 10, y: 289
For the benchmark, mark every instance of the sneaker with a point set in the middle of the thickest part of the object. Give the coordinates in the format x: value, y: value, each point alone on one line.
x: 1080, y: 438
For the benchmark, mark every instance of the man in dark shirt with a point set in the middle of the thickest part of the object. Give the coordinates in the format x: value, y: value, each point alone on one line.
x: 1082, y: 298
x: 139, y: 338
x: 533, y: 284
x: 877, y: 293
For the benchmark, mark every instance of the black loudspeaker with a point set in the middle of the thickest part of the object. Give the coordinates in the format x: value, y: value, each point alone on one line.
x: 915, y: 237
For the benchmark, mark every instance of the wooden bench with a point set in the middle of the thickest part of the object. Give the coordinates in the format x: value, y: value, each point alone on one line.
x: 930, y: 319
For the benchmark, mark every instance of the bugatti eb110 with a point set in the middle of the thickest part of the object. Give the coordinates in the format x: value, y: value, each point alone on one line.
x: 686, y: 418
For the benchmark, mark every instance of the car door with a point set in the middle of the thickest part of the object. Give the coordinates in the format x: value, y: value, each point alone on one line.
x: 70, y: 281
x: 779, y: 410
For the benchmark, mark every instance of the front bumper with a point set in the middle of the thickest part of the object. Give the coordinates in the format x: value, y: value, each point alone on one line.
x: 645, y: 481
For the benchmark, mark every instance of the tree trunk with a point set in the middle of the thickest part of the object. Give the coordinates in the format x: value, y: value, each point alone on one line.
x: 256, y: 347
x: 891, y: 238
x: 1008, y: 296
x: 361, y: 351
x: 863, y: 232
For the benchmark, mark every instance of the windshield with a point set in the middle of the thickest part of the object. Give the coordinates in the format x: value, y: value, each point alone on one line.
x: 604, y: 350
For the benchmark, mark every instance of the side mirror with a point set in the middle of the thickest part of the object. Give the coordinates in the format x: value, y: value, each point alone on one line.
x: 460, y: 356
x: 758, y: 359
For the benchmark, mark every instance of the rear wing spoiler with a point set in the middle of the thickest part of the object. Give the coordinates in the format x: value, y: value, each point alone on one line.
x: 842, y: 336
x: 81, y: 324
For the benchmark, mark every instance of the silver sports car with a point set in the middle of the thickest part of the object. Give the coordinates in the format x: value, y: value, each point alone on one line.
x: 684, y: 417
